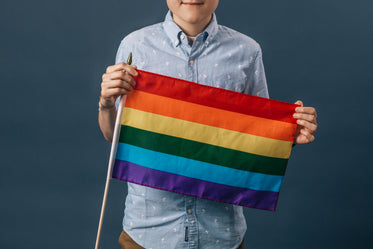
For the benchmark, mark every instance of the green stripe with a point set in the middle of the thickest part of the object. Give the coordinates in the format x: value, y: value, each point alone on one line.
x: 202, y: 152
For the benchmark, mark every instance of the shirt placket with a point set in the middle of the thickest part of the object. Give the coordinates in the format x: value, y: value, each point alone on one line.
x: 190, y: 225
x: 191, y: 54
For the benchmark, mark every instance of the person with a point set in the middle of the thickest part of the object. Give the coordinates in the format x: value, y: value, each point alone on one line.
x: 190, y: 45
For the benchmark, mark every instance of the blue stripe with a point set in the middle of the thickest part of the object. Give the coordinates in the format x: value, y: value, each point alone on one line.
x: 196, y: 169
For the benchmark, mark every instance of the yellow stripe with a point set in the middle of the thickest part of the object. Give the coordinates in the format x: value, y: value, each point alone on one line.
x: 206, y: 134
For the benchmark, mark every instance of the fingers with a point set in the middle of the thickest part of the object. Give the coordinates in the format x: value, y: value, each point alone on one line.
x: 309, y: 137
x: 120, y: 67
x: 306, y: 110
x: 307, y: 117
x: 307, y: 123
x: 299, y: 102
x: 114, y: 84
x: 114, y: 92
x: 310, y: 127
x: 118, y: 80
x: 310, y: 111
x: 118, y: 75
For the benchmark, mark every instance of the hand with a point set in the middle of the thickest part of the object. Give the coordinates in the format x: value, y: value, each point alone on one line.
x: 117, y: 81
x: 306, y: 120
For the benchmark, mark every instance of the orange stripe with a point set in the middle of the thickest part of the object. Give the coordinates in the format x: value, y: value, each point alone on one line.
x: 210, y: 116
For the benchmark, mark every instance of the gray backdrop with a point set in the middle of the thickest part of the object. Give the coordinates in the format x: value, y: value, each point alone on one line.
x: 54, y: 159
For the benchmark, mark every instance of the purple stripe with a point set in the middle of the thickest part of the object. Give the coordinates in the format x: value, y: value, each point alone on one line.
x: 130, y: 172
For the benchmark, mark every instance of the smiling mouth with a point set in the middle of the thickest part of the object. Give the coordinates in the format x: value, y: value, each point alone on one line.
x: 191, y: 3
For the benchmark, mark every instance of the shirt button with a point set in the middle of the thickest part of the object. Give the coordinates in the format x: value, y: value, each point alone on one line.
x: 189, y: 211
x: 191, y: 62
x: 207, y: 43
x: 182, y: 37
x: 176, y: 42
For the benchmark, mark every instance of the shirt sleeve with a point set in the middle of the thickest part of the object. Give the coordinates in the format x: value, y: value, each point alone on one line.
x: 256, y: 83
x: 122, y: 52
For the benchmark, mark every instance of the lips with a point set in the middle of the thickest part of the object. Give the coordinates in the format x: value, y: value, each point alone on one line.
x: 192, y: 3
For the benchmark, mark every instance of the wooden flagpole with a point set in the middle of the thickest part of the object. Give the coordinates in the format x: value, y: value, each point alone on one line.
x: 114, y: 144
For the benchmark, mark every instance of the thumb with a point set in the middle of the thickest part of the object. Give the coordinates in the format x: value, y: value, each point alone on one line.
x: 298, y: 102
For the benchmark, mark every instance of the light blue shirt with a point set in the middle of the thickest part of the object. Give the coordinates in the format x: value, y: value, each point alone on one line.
x: 219, y: 57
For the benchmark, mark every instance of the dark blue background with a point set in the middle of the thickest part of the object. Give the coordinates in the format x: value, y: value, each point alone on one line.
x: 54, y: 159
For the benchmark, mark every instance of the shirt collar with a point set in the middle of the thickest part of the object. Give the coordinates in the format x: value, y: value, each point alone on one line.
x: 174, y: 32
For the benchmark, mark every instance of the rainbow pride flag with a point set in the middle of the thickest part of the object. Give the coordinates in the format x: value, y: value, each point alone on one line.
x: 204, y: 141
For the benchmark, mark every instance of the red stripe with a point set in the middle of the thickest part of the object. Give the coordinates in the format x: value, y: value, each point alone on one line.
x: 214, y: 97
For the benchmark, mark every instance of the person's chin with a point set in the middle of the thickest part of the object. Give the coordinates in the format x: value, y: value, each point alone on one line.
x: 193, y: 20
